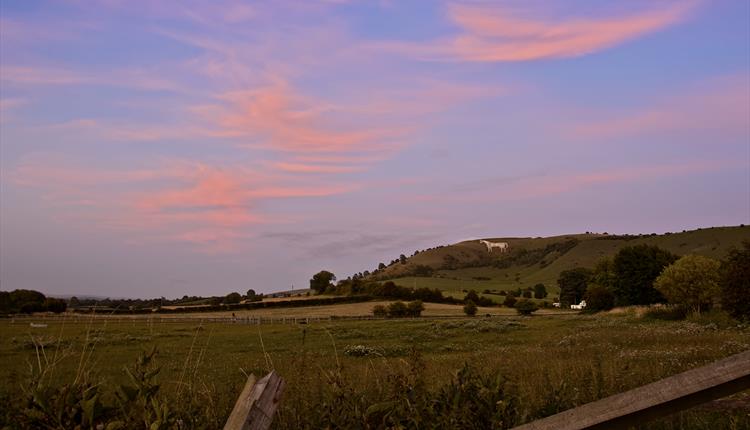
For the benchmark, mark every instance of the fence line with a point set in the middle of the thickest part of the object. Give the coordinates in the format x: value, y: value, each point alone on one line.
x: 240, y: 320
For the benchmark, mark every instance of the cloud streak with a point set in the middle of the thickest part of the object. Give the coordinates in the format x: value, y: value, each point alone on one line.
x: 499, y: 34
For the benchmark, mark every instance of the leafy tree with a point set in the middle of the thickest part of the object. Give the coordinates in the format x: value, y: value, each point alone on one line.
x: 232, y: 298
x: 604, y: 273
x: 250, y: 294
x: 735, y: 282
x: 321, y: 281
x: 5, y: 302
x: 526, y: 307
x: 379, y: 311
x: 472, y: 295
x: 540, y: 291
x: 509, y: 301
x: 693, y: 281
x: 598, y: 298
x: 470, y: 308
x: 635, y: 270
x: 526, y: 294
x: 55, y: 305
x: 381, y: 266
x: 402, y: 259
x: 573, y: 284
x: 415, y: 308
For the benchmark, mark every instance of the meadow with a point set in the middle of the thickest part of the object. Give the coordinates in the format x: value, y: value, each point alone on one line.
x: 346, y: 373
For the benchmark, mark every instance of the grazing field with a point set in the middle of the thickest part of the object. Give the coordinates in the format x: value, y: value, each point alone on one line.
x: 340, y: 371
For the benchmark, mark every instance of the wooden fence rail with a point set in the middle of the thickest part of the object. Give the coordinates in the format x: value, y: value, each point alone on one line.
x: 257, y: 403
x: 655, y: 400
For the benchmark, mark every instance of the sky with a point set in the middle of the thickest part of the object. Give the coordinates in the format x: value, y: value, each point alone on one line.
x: 184, y: 147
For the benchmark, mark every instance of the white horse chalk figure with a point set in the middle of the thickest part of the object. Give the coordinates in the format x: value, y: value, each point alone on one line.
x: 502, y: 246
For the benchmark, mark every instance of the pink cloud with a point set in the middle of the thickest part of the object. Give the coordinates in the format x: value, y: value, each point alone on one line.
x: 174, y: 201
x: 497, y: 34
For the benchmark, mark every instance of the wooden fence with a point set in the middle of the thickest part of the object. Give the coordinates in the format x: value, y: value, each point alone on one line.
x: 655, y: 400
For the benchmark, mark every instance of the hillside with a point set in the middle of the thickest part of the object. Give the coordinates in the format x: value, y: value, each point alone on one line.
x: 467, y: 265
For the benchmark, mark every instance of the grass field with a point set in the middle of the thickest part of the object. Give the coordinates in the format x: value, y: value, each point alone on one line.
x: 551, y: 362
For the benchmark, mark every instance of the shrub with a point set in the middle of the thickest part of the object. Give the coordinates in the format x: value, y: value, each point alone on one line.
x: 526, y: 307
x: 470, y: 308
x: 526, y: 294
x: 379, y: 311
x: 398, y: 310
x: 668, y: 313
x: 509, y: 301
x: 540, y: 291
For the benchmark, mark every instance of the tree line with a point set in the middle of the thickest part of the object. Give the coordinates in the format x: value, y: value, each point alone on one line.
x: 646, y: 274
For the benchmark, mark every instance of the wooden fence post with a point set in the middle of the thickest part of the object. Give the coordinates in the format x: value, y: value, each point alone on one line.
x: 257, y: 403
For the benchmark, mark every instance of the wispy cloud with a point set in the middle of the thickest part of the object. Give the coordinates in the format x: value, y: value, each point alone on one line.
x: 718, y: 106
x: 500, y: 34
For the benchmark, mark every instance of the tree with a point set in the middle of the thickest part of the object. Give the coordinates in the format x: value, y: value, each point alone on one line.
x: 415, y: 308
x: 693, y: 281
x: 402, y: 259
x: 735, y: 282
x: 381, y: 266
x: 232, y: 298
x: 526, y: 294
x: 509, y: 301
x: 321, y: 281
x: 471, y: 295
x: 540, y: 291
x: 526, y: 307
x: 573, y: 284
x: 598, y: 298
x: 55, y: 305
x: 604, y: 273
x: 470, y: 308
x: 635, y: 270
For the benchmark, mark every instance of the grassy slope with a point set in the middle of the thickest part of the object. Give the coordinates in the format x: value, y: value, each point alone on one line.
x: 711, y: 242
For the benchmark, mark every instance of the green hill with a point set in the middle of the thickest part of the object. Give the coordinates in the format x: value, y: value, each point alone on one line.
x: 467, y: 265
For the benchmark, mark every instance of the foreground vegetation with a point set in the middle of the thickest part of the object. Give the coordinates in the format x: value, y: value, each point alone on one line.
x: 411, y: 373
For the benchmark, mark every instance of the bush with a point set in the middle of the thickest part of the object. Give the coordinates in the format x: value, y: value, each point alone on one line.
x: 470, y: 308
x: 668, y: 313
x: 398, y: 310
x: 526, y: 307
x: 379, y: 311
x: 509, y: 301
x: 415, y: 308
x: 526, y: 294
x: 599, y: 298
x: 540, y: 291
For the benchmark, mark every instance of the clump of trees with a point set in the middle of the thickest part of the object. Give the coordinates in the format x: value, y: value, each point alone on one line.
x: 322, y: 281
x: 29, y: 301
x: 635, y: 268
x: 399, y: 309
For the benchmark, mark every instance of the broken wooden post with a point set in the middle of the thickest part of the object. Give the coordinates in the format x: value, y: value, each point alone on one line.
x: 257, y: 403
x: 655, y: 400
